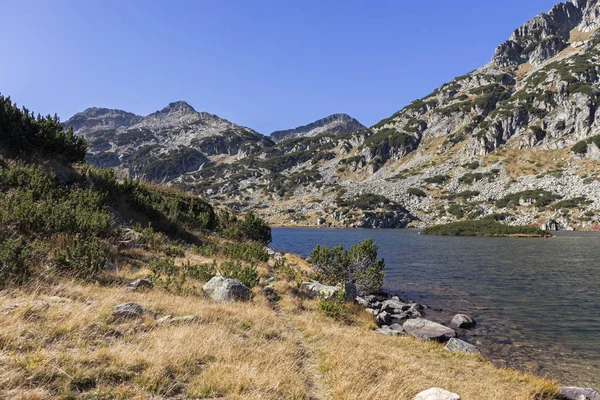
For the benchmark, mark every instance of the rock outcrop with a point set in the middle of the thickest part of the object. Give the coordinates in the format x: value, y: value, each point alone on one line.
x: 424, y: 329
x: 436, y: 394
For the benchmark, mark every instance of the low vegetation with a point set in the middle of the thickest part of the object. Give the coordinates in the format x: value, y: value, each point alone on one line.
x: 483, y: 228
x: 358, y: 265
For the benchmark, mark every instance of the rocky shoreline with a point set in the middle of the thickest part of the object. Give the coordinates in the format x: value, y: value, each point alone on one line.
x: 400, y: 317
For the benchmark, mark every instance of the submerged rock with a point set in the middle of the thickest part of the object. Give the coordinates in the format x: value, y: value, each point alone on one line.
x: 424, y: 329
x: 462, y: 321
x: 225, y: 289
x: 460, y: 346
x: 436, y: 394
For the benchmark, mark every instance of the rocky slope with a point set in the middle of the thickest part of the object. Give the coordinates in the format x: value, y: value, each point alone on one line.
x: 513, y: 140
x: 333, y: 124
x: 163, y: 145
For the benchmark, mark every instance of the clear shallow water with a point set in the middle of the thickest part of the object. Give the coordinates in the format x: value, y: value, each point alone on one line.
x: 536, y: 301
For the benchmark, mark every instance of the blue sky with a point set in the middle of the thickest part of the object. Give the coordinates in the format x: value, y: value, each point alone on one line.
x: 266, y: 64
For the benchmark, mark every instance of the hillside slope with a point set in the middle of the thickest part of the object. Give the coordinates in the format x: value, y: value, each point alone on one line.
x: 514, y: 140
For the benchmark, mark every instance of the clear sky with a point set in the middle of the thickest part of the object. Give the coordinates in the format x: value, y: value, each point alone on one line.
x: 266, y: 64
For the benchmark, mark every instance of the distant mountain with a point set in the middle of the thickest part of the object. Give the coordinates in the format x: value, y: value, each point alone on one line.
x: 516, y: 140
x: 333, y: 124
x: 163, y: 145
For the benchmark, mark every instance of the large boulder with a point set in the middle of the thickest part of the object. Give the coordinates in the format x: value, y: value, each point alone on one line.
x: 460, y: 346
x: 578, y: 393
x: 436, y: 394
x: 462, y: 321
x: 225, y: 289
x: 424, y: 329
x: 316, y: 289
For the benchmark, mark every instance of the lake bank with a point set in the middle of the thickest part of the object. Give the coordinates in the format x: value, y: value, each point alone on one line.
x: 534, y: 300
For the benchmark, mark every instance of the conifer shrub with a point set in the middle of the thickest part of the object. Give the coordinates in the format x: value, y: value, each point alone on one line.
x: 358, y: 265
x: 247, y: 274
x: 249, y: 228
x: 14, y: 269
x: 85, y: 258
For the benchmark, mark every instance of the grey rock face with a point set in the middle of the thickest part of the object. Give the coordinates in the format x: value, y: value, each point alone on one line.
x: 383, y: 318
x: 128, y: 311
x: 424, y: 329
x: 462, y: 321
x: 436, y: 394
x: 225, y: 290
x: 333, y: 124
x: 460, y: 346
x: 578, y: 393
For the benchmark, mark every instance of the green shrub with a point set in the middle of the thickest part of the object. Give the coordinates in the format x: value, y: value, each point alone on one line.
x: 23, y: 134
x: 334, y: 306
x: 472, y: 165
x: 206, y: 249
x: 251, y: 227
x: 202, y: 272
x: 416, y: 192
x: 246, y: 251
x: 164, y: 273
x: 173, y: 251
x: 14, y: 269
x: 248, y: 274
x: 358, y: 265
x: 456, y: 210
x: 437, y: 179
x: 85, y: 258
x: 571, y: 203
x: 539, y: 197
x: 482, y: 228
x: 580, y: 147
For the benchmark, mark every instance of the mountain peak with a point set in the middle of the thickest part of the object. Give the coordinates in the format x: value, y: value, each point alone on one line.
x: 180, y: 107
x: 332, y: 124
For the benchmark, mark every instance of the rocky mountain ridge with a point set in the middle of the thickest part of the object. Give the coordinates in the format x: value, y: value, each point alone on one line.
x: 513, y: 140
x: 332, y: 124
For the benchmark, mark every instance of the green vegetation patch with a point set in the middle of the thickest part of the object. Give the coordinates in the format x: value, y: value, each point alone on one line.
x: 538, y: 197
x: 483, y: 228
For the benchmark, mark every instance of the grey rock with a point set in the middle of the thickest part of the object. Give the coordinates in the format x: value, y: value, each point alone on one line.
x: 139, y: 284
x: 397, y: 327
x: 460, y: 346
x: 578, y: 393
x: 383, y: 318
x: 225, y: 289
x: 462, y: 321
x: 362, y: 302
x: 388, y: 331
x: 424, y: 329
x: 169, y: 319
x: 372, y: 311
x: 315, y: 289
x: 436, y: 394
x: 128, y: 311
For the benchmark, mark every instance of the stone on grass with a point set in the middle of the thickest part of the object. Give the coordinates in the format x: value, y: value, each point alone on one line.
x: 225, y: 289
x: 361, y: 302
x: 316, y: 289
x: 436, y: 394
x: 138, y: 284
x: 460, y: 346
x: 462, y: 321
x: 388, y: 331
x: 578, y: 393
x: 128, y: 311
x: 424, y: 329
x: 169, y: 319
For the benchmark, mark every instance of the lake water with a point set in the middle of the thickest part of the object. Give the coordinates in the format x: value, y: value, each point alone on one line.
x: 536, y: 301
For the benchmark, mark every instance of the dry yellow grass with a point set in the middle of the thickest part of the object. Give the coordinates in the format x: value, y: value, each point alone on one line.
x: 247, y: 350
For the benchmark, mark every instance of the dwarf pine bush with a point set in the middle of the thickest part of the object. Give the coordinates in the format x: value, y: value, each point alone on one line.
x: 359, y: 265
